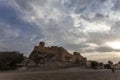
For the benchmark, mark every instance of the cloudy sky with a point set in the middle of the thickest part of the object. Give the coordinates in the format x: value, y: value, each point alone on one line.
x: 91, y: 27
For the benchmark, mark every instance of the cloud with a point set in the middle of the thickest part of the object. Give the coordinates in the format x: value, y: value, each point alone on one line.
x: 7, y: 32
x: 117, y: 5
x: 65, y: 28
x: 77, y: 25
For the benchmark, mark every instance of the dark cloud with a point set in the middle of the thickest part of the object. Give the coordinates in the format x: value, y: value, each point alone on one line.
x: 24, y: 4
x: 99, y: 15
x: 116, y: 5
x: 102, y: 49
x: 84, y: 6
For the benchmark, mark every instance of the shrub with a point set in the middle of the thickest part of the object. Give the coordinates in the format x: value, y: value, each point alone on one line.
x: 9, y: 60
x: 94, y: 64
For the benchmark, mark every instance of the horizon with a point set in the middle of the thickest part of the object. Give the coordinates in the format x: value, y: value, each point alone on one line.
x: 90, y: 27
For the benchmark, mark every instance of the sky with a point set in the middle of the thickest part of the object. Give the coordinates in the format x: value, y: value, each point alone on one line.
x: 91, y: 27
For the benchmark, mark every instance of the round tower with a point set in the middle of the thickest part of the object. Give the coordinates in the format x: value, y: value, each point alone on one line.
x: 42, y: 44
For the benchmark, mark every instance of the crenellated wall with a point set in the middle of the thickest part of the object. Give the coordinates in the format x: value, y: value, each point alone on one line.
x: 57, y: 53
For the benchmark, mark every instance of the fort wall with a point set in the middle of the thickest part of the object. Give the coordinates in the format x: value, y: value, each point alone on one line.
x: 56, y: 53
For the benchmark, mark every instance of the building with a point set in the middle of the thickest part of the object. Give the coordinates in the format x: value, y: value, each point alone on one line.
x: 88, y: 64
x: 117, y: 66
x: 42, y: 54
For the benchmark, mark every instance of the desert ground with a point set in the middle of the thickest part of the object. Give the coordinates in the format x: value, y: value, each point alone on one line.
x: 61, y: 74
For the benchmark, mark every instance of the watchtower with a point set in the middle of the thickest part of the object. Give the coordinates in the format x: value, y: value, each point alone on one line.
x: 42, y: 44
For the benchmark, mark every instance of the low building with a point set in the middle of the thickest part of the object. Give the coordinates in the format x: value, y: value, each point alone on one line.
x: 88, y: 64
x: 116, y: 66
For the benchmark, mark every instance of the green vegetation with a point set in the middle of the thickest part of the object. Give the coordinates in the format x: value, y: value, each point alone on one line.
x: 94, y: 64
x: 9, y: 60
x: 108, y: 65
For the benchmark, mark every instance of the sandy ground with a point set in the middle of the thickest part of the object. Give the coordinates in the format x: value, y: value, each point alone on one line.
x: 63, y: 74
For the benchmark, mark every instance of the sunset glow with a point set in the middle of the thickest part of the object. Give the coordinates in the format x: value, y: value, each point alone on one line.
x: 114, y: 45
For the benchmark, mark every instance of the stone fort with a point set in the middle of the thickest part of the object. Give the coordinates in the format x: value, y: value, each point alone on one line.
x: 42, y: 54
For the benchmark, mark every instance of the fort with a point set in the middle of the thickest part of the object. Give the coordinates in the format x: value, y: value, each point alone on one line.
x: 42, y: 54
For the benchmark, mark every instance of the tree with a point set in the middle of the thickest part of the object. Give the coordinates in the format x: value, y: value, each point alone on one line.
x: 101, y: 64
x: 119, y: 62
x: 110, y: 62
x: 9, y: 60
x: 108, y: 65
x: 94, y: 64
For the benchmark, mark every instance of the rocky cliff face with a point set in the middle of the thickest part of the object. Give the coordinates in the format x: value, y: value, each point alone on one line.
x: 42, y: 54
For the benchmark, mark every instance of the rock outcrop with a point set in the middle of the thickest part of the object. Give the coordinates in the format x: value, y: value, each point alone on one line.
x: 42, y: 55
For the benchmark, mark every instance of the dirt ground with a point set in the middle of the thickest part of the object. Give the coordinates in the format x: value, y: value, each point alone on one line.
x: 63, y: 74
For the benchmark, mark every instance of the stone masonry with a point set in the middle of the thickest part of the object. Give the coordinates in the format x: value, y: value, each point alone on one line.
x: 42, y: 54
